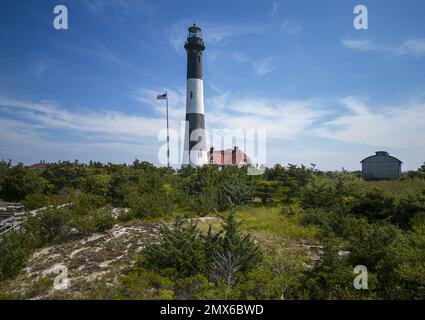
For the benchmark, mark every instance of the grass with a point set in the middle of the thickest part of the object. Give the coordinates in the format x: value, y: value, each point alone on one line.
x: 269, y: 224
x: 396, y: 187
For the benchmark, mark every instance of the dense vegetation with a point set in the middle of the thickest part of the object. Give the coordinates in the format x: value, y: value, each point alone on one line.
x: 380, y: 225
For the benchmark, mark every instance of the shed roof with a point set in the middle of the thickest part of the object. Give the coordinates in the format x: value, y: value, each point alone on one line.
x: 381, y: 154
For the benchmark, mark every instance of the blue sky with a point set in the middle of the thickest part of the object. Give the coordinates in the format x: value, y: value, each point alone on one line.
x: 326, y: 93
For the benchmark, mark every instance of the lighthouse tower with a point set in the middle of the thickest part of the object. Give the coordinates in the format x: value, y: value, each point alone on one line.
x: 195, y: 150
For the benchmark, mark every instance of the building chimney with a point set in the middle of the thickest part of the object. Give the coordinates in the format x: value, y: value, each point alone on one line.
x: 234, y: 151
x: 211, y: 155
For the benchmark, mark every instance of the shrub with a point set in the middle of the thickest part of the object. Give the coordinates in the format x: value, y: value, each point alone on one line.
x: 181, y: 248
x: 36, y: 200
x: 293, y: 177
x: 139, y: 284
x: 266, y: 190
x: 14, y: 252
x: 149, y: 205
x: 369, y: 243
x: 407, y: 208
x: 19, y: 181
x: 233, y: 245
x: 103, y: 220
x: 50, y: 225
x: 191, y: 288
x: 331, y: 278
x: 234, y: 188
x: 98, y: 220
x: 291, y: 210
x: 403, y: 264
x: 321, y: 193
x: 220, y: 256
x: 374, y: 204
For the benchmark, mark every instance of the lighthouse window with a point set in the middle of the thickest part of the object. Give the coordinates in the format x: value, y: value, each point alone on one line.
x: 191, y: 94
x: 199, y: 59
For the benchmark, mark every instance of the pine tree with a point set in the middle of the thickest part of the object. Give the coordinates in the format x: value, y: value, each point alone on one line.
x: 181, y: 248
x: 235, y: 246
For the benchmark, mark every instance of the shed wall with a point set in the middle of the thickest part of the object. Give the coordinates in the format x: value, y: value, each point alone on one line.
x: 381, y: 168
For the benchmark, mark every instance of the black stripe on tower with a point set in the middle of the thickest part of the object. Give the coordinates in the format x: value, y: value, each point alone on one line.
x: 196, y: 121
x: 194, y: 47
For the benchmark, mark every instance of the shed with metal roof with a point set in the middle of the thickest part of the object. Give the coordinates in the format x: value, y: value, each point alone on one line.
x: 381, y: 166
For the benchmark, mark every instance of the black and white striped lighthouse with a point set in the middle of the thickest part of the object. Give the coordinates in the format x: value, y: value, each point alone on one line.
x: 195, y: 150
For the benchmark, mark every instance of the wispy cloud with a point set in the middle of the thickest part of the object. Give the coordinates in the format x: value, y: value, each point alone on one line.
x: 40, y: 67
x: 102, y: 52
x: 275, y: 8
x: 290, y: 27
x: 398, y: 126
x: 27, y: 126
x: 176, y: 98
x: 214, y: 34
x: 266, y: 65
x: 100, y: 7
x: 283, y: 119
x: 108, y: 123
x: 414, y: 47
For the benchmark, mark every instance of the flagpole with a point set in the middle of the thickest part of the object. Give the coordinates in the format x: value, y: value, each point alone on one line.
x: 168, y: 135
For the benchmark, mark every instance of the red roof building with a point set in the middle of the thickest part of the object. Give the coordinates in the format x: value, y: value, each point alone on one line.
x: 38, y: 166
x: 228, y: 157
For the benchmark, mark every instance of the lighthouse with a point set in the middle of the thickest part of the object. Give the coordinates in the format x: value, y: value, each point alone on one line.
x: 195, y: 150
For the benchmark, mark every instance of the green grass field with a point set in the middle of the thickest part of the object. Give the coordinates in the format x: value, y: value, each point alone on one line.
x: 269, y: 225
x: 396, y: 187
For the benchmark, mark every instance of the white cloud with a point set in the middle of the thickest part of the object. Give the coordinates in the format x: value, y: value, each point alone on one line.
x: 360, y: 44
x: 414, y: 47
x: 102, y: 135
x: 176, y: 99
x: 358, y: 130
x: 22, y: 142
x: 282, y: 119
x: 397, y: 126
x: 266, y: 65
x: 108, y: 123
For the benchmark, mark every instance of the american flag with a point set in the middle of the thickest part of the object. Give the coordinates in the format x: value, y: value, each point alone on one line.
x: 161, y: 96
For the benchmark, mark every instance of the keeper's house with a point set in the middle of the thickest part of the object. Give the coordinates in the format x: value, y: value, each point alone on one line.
x: 229, y: 157
x: 381, y: 166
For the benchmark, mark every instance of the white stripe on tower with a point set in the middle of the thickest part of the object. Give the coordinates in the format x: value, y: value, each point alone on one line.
x: 195, y: 96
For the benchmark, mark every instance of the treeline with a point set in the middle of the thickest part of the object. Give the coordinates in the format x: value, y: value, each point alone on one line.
x: 382, y: 230
x: 148, y: 190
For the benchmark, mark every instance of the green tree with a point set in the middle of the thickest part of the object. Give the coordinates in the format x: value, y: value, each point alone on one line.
x: 401, y: 268
x: 181, y: 248
x: 266, y: 190
x: 407, y: 208
x: 19, y: 181
x: 331, y: 278
x: 374, y: 204
x: 4, y: 169
x: 14, y: 252
x: 48, y: 226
